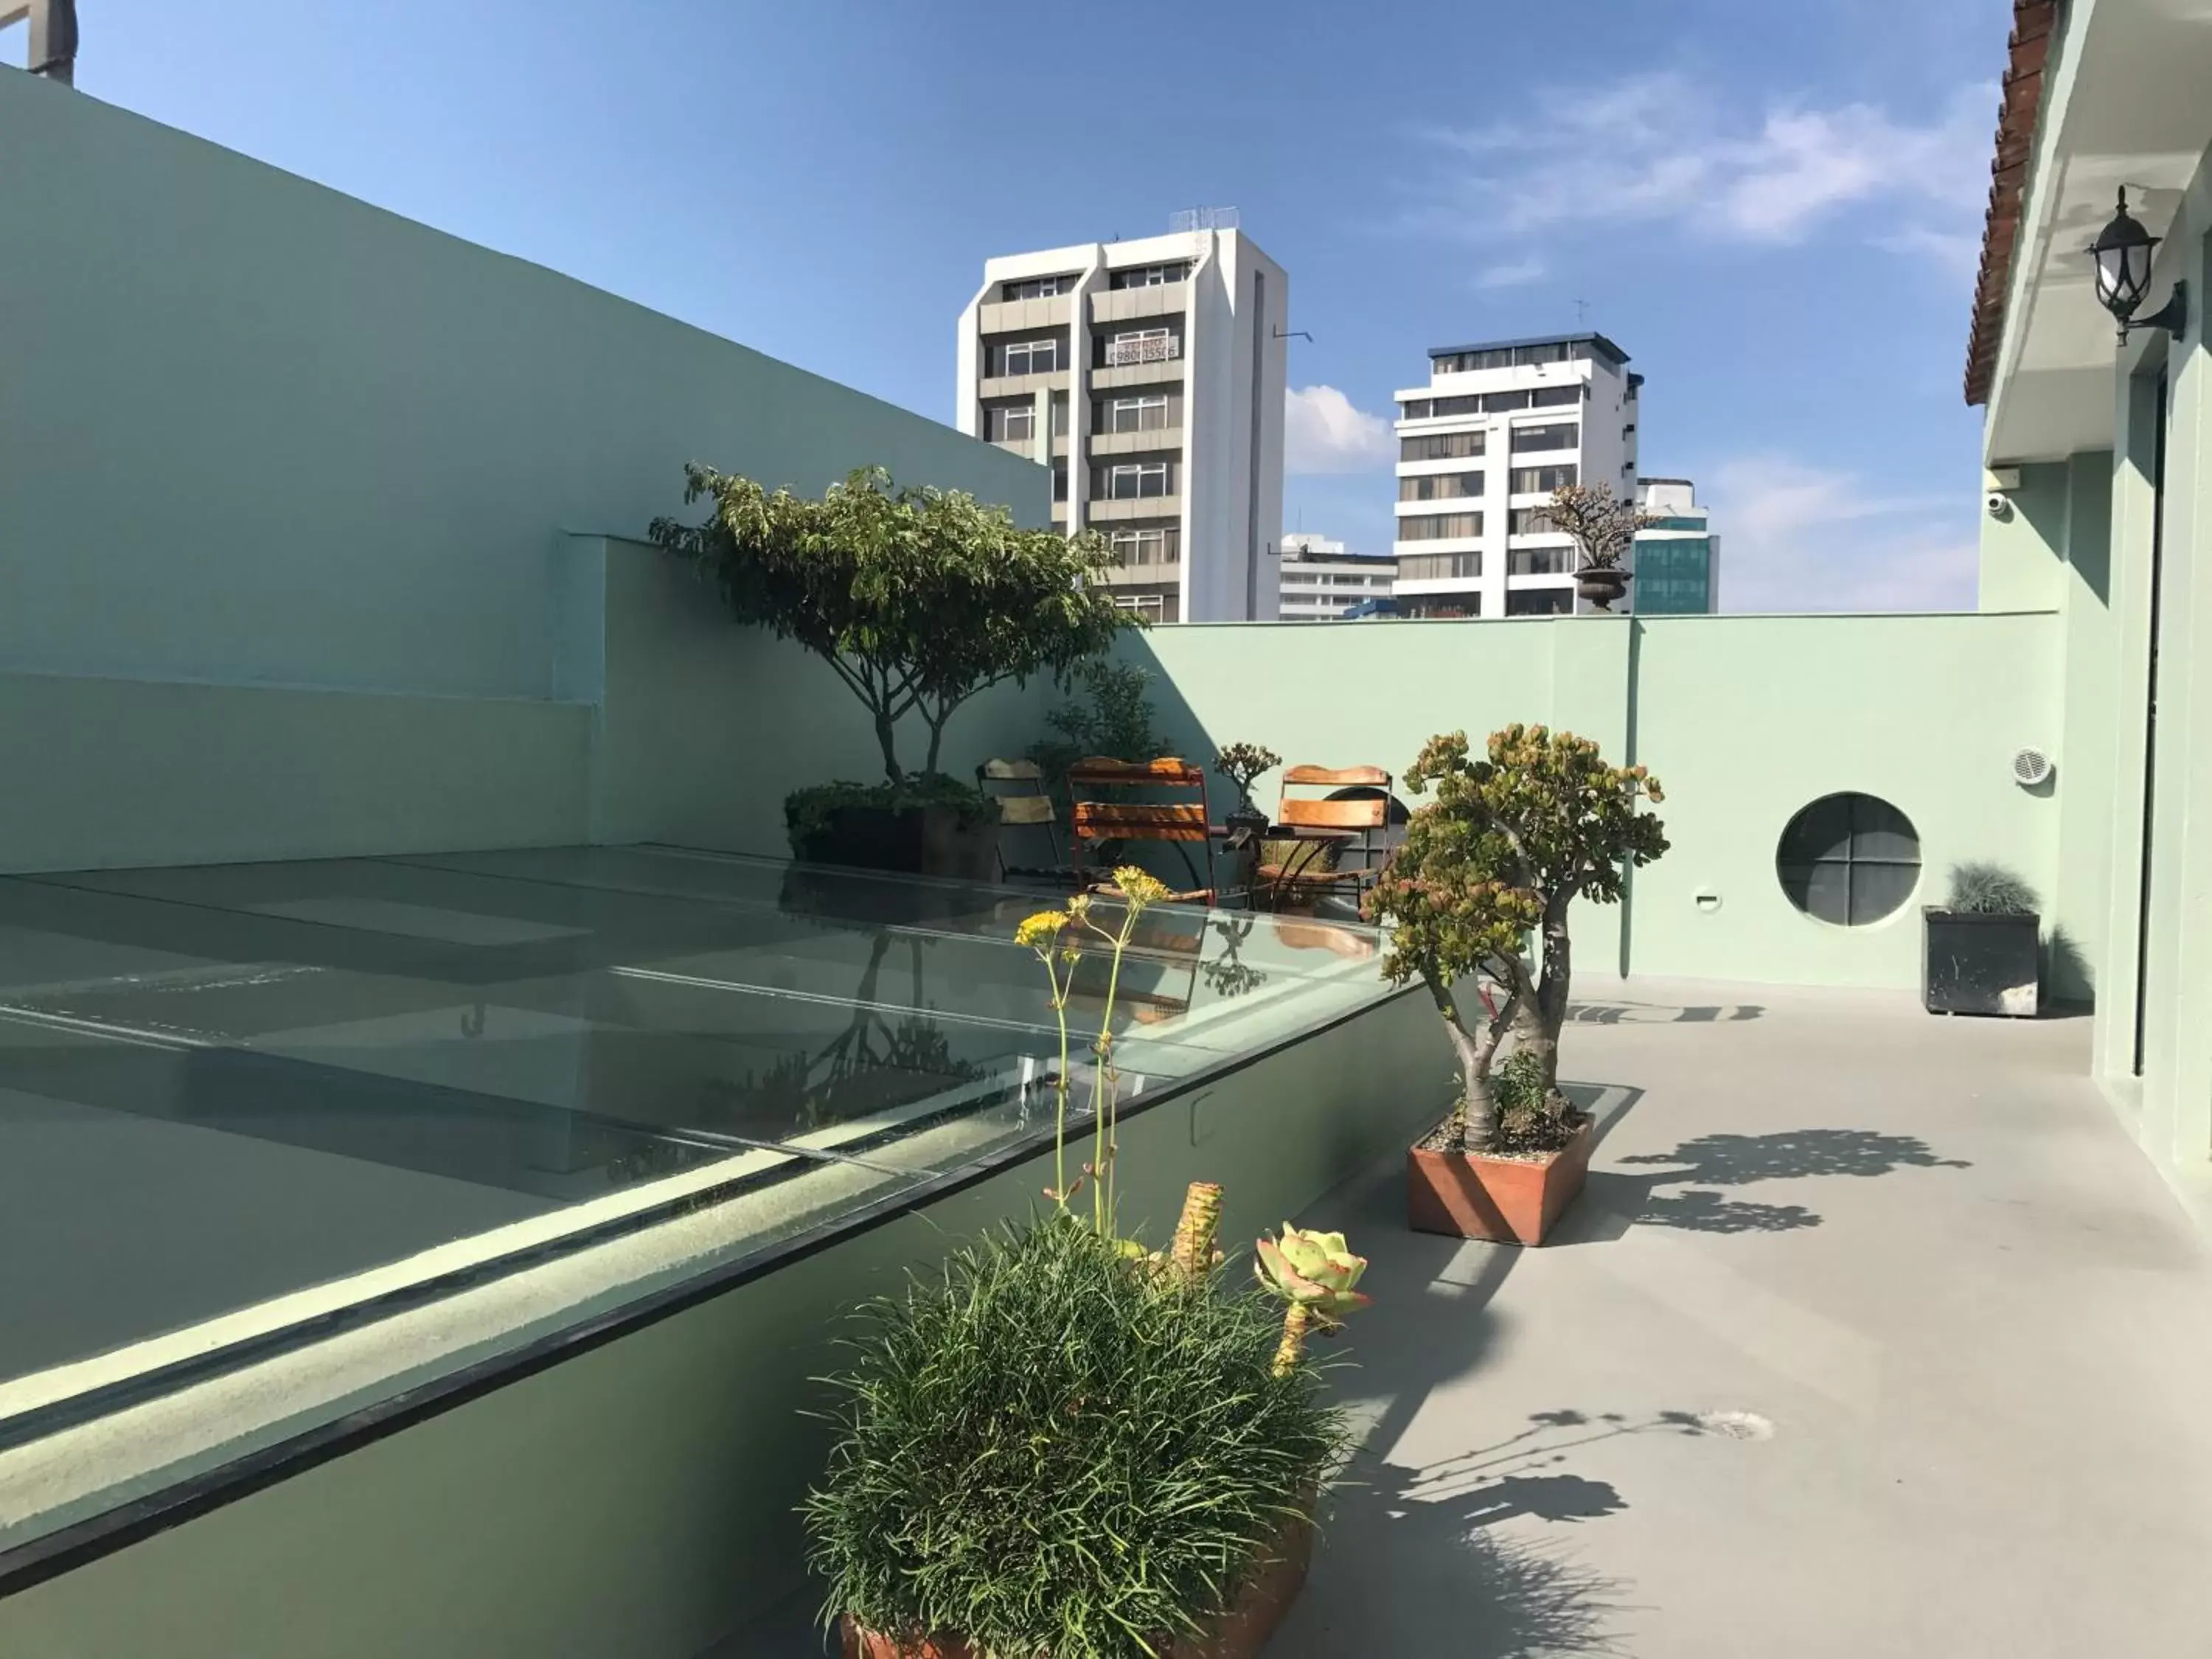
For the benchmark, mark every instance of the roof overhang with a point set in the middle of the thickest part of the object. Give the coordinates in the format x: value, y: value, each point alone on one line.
x: 2123, y: 100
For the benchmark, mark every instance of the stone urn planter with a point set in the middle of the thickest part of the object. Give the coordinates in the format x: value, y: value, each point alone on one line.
x: 1504, y: 1197
x: 1602, y: 585
x: 1238, y: 1632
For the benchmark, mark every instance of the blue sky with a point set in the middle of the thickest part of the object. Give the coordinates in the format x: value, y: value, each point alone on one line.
x: 1773, y: 208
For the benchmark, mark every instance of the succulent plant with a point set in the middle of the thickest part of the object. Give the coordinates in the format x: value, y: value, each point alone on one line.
x: 1242, y: 763
x: 1318, y: 1275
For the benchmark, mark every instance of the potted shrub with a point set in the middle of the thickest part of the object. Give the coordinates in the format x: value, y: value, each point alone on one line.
x: 1604, y: 529
x: 917, y: 599
x: 1982, y: 951
x: 1499, y: 856
x: 1068, y: 1447
x: 1242, y: 763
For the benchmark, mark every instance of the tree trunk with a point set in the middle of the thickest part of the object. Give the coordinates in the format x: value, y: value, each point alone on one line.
x: 1542, y: 1035
x: 936, y: 737
x: 885, y: 736
x: 1474, y: 1123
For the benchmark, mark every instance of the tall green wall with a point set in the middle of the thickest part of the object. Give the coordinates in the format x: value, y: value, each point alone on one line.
x: 1744, y: 719
x: 265, y: 449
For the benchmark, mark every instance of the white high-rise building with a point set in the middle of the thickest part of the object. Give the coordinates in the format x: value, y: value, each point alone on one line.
x: 1320, y: 581
x: 1149, y: 375
x: 1500, y: 426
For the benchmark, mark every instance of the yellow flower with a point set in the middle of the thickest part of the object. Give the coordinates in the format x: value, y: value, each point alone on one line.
x: 1138, y: 887
x: 1040, y: 930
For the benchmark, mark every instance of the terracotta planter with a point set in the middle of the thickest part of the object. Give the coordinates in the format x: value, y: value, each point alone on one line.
x: 1508, y: 1200
x: 1238, y: 1633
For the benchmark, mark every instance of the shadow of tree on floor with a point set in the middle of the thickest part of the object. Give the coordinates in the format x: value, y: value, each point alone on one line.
x: 1662, y: 1013
x: 1699, y: 1212
x: 1724, y: 1160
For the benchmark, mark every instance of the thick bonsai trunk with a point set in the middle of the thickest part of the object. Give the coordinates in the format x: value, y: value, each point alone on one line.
x: 1474, y: 1123
x: 1538, y: 1031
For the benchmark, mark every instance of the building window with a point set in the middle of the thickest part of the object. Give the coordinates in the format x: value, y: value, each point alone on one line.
x: 1131, y: 481
x: 1140, y: 345
x: 1532, y: 480
x: 1060, y: 414
x: 1467, y: 362
x: 1415, y: 408
x: 1530, y: 521
x: 1442, y: 446
x: 1010, y: 423
x: 1542, y: 562
x: 1556, y: 396
x: 1850, y: 860
x: 1440, y: 487
x: 1027, y: 356
x: 1149, y: 276
x: 1440, y: 567
x: 1566, y: 435
x: 1443, y: 605
x: 1538, y: 601
x: 1440, y: 526
x: 1147, y: 413
x: 1060, y: 481
x: 1035, y: 288
x: 1159, y: 545
x: 1152, y: 607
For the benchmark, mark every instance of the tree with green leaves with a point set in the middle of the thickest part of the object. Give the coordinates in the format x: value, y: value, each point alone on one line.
x: 1499, y: 855
x: 917, y: 598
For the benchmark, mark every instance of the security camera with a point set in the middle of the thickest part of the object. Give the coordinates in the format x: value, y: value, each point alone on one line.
x: 1999, y: 504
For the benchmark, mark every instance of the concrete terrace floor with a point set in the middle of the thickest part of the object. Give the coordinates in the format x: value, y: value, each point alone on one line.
x: 1874, y: 1333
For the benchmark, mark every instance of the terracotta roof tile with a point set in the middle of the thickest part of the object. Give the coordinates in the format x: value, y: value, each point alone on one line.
x: 2028, y: 51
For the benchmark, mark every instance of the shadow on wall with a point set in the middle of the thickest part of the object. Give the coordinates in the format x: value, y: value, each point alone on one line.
x: 2069, y: 982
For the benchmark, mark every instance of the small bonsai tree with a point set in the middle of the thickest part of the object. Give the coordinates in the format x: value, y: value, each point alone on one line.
x: 1604, y: 527
x: 1500, y: 853
x: 1242, y: 763
x: 917, y: 598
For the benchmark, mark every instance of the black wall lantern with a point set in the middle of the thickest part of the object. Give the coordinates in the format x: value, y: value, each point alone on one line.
x: 2123, y: 253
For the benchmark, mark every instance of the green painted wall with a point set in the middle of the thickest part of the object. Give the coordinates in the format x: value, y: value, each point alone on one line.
x: 636, y: 1500
x: 1746, y: 719
x: 115, y: 772
x: 260, y: 435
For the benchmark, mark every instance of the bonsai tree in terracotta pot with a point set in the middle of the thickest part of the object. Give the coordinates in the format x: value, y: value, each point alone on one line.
x: 1604, y: 529
x: 917, y: 599
x: 1494, y: 859
x: 1067, y: 1446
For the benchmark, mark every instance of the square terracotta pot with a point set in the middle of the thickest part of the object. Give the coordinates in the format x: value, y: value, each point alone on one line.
x: 1508, y: 1200
x: 1238, y: 1633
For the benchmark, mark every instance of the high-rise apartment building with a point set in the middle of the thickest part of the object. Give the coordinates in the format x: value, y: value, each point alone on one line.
x: 1500, y: 426
x: 1149, y: 375
x: 1677, y: 562
x: 1320, y: 581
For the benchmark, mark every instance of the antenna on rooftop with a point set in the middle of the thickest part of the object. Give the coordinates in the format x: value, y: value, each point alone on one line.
x: 1201, y: 218
x: 1582, y: 313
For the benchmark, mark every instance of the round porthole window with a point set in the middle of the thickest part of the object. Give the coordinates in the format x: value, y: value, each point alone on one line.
x: 1849, y: 859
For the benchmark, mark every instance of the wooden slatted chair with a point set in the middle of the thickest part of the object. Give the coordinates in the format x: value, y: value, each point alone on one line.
x: 1310, y: 869
x: 1018, y: 787
x: 1178, y: 820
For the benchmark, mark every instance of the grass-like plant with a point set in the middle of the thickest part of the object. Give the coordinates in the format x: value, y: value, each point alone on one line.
x: 1990, y: 890
x: 1055, y: 1450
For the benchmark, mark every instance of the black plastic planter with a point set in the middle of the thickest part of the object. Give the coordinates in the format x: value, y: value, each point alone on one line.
x: 1977, y: 963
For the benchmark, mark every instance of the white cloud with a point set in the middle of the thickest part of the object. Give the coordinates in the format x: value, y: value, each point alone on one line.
x: 1799, y: 538
x: 1515, y: 274
x: 1660, y: 146
x: 1323, y: 433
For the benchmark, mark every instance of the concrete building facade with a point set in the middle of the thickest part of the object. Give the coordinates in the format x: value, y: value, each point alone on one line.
x: 1320, y: 580
x: 1148, y: 375
x: 1500, y: 425
x: 1677, y: 562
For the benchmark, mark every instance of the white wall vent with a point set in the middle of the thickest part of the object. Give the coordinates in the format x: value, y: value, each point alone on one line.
x: 2031, y: 768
